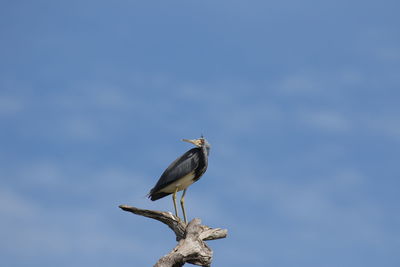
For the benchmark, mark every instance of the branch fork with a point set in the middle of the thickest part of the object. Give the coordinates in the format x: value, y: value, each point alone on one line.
x: 191, y: 247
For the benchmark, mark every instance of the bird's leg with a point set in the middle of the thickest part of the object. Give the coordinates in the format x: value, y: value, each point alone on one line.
x: 174, y: 199
x: 183, y: 205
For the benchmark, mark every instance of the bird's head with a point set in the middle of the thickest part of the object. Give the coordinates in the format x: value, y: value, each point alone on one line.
x: 201, y: 142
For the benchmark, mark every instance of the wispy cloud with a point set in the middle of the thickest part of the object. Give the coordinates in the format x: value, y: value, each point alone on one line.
x: 331, y: 121
x: 55, y: 229
x: 10, y: 105
x: 386, y: 125
x: 300, y: 83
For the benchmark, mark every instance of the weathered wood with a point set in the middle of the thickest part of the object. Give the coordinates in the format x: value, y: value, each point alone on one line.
x: 191, y: 247
x: 167, y: 218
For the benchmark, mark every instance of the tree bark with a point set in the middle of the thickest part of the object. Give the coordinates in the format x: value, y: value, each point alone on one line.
x: 191, y: 247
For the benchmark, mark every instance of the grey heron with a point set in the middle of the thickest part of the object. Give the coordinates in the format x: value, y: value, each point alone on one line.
x: 182, y: 172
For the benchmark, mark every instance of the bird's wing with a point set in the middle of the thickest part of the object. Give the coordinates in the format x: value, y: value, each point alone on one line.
x: 182, y: 166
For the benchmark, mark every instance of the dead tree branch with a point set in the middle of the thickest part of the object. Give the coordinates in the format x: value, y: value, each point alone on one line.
x: 191, y: 247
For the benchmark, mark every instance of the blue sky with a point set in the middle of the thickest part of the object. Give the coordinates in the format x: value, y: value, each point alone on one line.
x: 299, y: 100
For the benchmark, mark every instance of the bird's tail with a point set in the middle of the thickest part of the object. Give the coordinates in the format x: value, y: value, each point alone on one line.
x: 154, y: 196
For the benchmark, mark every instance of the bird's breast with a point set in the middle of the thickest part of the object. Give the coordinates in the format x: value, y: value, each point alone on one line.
x: 181, y: 183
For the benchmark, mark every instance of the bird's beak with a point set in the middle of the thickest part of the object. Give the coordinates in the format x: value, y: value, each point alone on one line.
x: 192, y: 141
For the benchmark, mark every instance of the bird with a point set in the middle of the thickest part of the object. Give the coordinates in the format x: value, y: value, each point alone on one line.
x: 182, y: 172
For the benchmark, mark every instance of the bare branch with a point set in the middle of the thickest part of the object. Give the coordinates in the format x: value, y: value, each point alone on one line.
x: 167, y: 218
x: 191, y: 247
